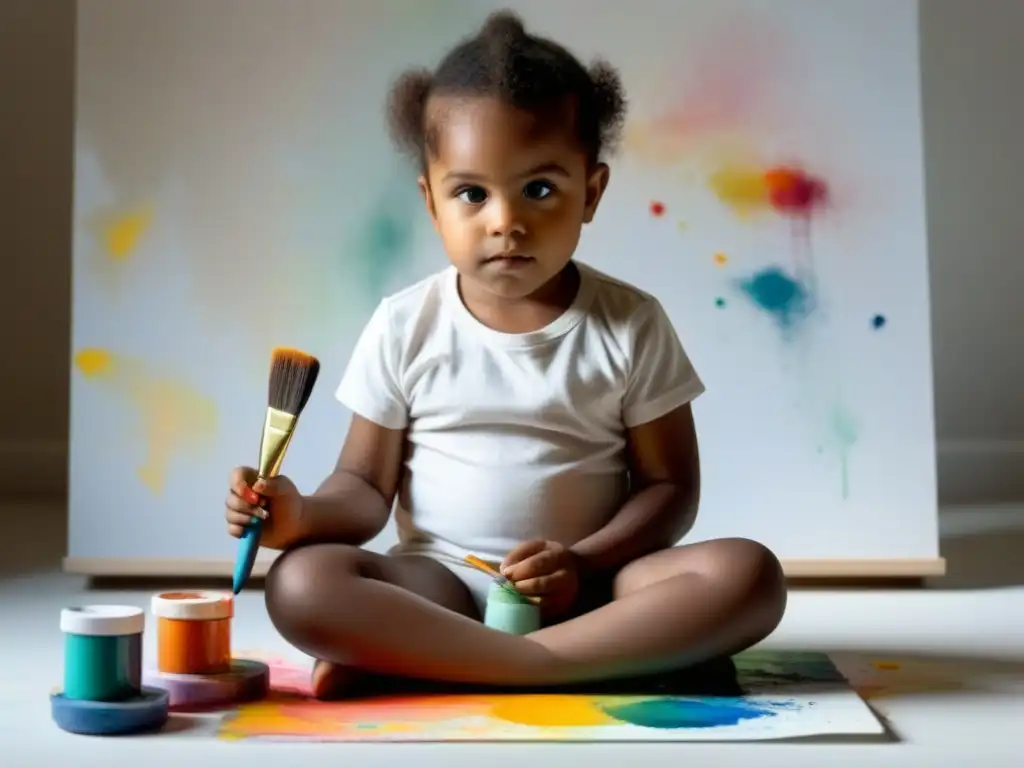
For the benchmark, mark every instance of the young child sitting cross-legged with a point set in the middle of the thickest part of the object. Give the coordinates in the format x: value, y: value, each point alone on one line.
x: 519, y: 406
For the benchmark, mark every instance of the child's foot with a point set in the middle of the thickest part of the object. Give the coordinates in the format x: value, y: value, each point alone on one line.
x: 332, y: 681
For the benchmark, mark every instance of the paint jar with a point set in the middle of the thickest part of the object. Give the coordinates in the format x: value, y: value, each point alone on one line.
x: 510, y: 612
x: 102, y: 652
x: 193, y: 632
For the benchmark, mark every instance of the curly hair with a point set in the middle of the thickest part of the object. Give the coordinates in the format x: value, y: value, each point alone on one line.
x: 528, y: 72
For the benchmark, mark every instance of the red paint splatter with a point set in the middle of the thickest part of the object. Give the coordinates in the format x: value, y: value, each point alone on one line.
x: 797, y: 195
x: 657, y: 209
x: 793, y: 192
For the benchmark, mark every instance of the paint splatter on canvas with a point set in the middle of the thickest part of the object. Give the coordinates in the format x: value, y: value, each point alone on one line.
x: 173, y: 417
x: 783, y: 297
x: 121, y: 233
x: 784, y: 695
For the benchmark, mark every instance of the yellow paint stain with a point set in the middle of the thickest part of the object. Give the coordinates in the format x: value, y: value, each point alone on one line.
x: 550, y: 711
x: 93, y: 362
x: 682, y: 226
x: 122, y: 233
x: 175, y: 418
x: 721, y: 259
x: 743, y: 189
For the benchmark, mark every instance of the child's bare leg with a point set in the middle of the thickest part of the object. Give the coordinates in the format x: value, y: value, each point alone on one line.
x: 671, y: 609
x: 404, y: 616
x: 675, y: 608
x: 422, y: 576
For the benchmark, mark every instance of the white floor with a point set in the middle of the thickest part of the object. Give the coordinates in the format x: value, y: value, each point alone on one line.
x: 957, y: 697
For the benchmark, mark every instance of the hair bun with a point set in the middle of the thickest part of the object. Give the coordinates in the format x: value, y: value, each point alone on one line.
x: 503, y: 25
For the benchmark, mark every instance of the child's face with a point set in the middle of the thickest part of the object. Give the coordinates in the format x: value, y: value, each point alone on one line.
x: 508, y: 192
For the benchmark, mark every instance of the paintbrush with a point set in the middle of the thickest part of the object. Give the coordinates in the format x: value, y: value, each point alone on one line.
x: 498, y: 577
x: 292, y: 376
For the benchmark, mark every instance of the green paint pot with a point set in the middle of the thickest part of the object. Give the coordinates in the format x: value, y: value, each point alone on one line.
x: 510, y: 612
x: 102, y: 652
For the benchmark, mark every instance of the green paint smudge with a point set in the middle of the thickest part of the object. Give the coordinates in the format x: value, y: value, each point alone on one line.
x: 844, y: 429
x: 386, y: 240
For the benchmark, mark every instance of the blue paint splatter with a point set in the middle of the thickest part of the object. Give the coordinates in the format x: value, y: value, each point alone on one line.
x: 720, y: 302
x: 786, y: 299
x: 712, y: 712
x: 878, y: 322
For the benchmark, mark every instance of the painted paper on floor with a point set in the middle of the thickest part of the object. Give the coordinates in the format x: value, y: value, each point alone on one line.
x: 783, y: 696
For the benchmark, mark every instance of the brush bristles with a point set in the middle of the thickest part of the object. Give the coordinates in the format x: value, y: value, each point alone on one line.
x: 292, y: 376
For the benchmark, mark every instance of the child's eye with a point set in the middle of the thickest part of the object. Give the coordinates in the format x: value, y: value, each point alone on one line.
x: 538, y: 190
x: 472, y: 195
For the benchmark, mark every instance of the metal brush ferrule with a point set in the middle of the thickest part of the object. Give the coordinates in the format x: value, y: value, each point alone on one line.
x: 278, y: 428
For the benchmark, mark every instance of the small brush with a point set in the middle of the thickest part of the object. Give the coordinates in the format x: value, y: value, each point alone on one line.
x: 498, y: 576
x: 292, y: 376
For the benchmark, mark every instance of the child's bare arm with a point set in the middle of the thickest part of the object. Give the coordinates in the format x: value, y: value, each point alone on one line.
x: 664, y: 465
x: 353, y: 504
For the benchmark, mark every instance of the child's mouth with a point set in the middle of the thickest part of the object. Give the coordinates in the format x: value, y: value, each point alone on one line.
x: 508, y: 260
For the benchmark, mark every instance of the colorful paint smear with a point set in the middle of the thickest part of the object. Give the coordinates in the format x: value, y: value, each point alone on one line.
x: 783, y: 297
x: 724, y: 87
x: 657, y: 209
x: 288, y: 713
x: 787, y: 191
x: 667, y: 712
x: 720, y: 302
x: 721, y: 259
x: 878, y: 322
x: 174, y: 417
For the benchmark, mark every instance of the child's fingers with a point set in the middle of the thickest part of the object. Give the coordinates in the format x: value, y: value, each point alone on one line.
x: 540, y: 564
x: 236, y: 530
x: 542, y: 585
x: 241, y: 482
x: 235, y: 504
x: 521, y: 553
x: 238, y: 518
x: 271, y: 486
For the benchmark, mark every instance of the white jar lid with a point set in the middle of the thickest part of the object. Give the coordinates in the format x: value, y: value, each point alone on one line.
x: 193, y: 606
x: 103, y: 620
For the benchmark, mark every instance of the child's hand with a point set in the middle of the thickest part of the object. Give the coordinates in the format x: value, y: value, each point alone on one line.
x: 282, y: 512
x: 545, y: 569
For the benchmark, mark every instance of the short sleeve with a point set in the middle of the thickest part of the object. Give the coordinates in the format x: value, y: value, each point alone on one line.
x: 370, y: 385
x: 661, y: 377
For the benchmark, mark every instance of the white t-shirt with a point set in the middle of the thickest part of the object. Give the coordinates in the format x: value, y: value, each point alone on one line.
x: 513, y: 436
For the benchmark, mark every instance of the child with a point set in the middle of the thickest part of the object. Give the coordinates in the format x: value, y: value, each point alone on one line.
x: 520, y: 406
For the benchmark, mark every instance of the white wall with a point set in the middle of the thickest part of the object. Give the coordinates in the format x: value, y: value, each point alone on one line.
x: 972, y: 60
x: 974, y: 118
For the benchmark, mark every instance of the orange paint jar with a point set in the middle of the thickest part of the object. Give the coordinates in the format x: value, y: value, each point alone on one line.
x: 193, y: 632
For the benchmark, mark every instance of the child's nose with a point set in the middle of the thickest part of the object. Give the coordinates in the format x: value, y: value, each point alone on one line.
x: 507, y: 219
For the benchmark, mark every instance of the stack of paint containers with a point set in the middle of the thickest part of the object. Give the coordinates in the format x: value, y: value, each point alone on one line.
x: 102, y: 692
x: 194, y: 662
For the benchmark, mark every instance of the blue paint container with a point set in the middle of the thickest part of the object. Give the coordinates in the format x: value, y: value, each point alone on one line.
x: 510, y: 612
x: 102, y: 652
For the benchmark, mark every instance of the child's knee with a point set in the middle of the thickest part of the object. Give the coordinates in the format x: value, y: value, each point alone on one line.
x: 760, y: 574
x: 301, y: 579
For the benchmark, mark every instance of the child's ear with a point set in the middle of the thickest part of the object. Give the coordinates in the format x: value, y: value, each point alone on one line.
x: 428, y: 198
x: 596, y: 185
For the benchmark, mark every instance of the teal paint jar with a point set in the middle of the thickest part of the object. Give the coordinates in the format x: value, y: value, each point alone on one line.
x: 102, y: 652
x: 510, y: 612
